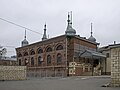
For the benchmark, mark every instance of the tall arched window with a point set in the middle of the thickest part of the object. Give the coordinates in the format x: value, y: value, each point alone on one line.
x: 26, y: 61
x: 59, y: 47
x: 32, y: 52
x: 59, y: 58
x: 39, y: 60
x: 48, y: 59
x: 25, y: 53
x: 40, y: 51
x: 19, y: 62
x: 49, y: 49
x: 32, y: 61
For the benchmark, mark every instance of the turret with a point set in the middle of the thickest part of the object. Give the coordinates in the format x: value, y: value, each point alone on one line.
x: 44, y: 35
x: 24, y: 42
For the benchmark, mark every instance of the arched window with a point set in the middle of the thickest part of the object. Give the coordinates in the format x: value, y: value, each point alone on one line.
x: 59, y: 47
x: 39, y: 60
x: 40, y: 51
x: 19, y: 55
x: 59, y: 58
x: 49, y: 49
x: 26, y: 54
x: 48, y: 59
x: 32, y: 61
x: 19, y: 62
x: 32, y: 52
x: 26, y: 61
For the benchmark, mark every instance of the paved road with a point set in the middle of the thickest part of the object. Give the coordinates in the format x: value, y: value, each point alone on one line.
x: 70, y: 83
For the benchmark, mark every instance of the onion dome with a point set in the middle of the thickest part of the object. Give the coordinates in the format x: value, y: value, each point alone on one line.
x: 70, y: 31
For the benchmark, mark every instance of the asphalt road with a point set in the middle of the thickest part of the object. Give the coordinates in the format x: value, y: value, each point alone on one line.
x: 69, y: 83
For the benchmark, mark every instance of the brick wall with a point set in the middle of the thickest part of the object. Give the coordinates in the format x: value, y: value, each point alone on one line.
x: 8, y: 62
x: 12, y: 72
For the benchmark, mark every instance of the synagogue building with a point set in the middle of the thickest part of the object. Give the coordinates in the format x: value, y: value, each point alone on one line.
x: 65, y: 55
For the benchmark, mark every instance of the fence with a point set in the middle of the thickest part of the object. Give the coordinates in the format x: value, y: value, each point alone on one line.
x: 45, y: 73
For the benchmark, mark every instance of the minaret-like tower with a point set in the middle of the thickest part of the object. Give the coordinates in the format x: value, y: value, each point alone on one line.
x: 70, y: 31
x: 44, y: 35
x: 24, y: 42
x: 91, y: 38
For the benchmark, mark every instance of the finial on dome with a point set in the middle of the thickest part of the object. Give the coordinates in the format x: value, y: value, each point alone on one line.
x: 71, y: 18
x: 91, y: 38
x: 68, y: 19
x: 25, y: 33
x: 45, y: 26
x: 91, y: 29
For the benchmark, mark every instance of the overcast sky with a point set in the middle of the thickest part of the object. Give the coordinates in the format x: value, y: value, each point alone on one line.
x: 104, y: 14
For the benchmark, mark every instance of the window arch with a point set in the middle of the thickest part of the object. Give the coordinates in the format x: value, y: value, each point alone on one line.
x: 40, y: 51
x: 19, y: 55
x: 49, y: 49
x: 32, y: 52
x: 25, y: 53
x: 32, y: 61
x: 59, y: 47
x: 39, y: 60
x: 59, y: 58
x: 48, y: 59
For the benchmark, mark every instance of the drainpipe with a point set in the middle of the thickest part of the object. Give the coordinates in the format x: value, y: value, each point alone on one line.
x: 66, y: 57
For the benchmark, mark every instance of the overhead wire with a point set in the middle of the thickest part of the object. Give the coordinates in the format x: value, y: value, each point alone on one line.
x: 20, y: 26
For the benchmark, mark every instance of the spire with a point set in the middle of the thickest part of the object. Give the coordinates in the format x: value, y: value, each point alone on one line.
x: 24, y: 42
x: 71, y: 18
x: 44, y: 35
x: 70, y: 31
x: 91, y: 29
x: 25, y: 33
x: 68, y: 19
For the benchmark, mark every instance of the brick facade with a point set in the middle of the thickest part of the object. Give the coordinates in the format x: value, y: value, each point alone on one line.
x: 61, y: 47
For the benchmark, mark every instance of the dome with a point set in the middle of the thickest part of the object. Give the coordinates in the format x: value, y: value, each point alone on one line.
x: 25, y: 42
x: 91, y: 38
x: 70, y: 31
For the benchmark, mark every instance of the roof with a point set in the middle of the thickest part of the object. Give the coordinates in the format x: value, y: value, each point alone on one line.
x: 90, y: 53
x: 84, y: 38
x: 51, y: 39
x: 109, y: 47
